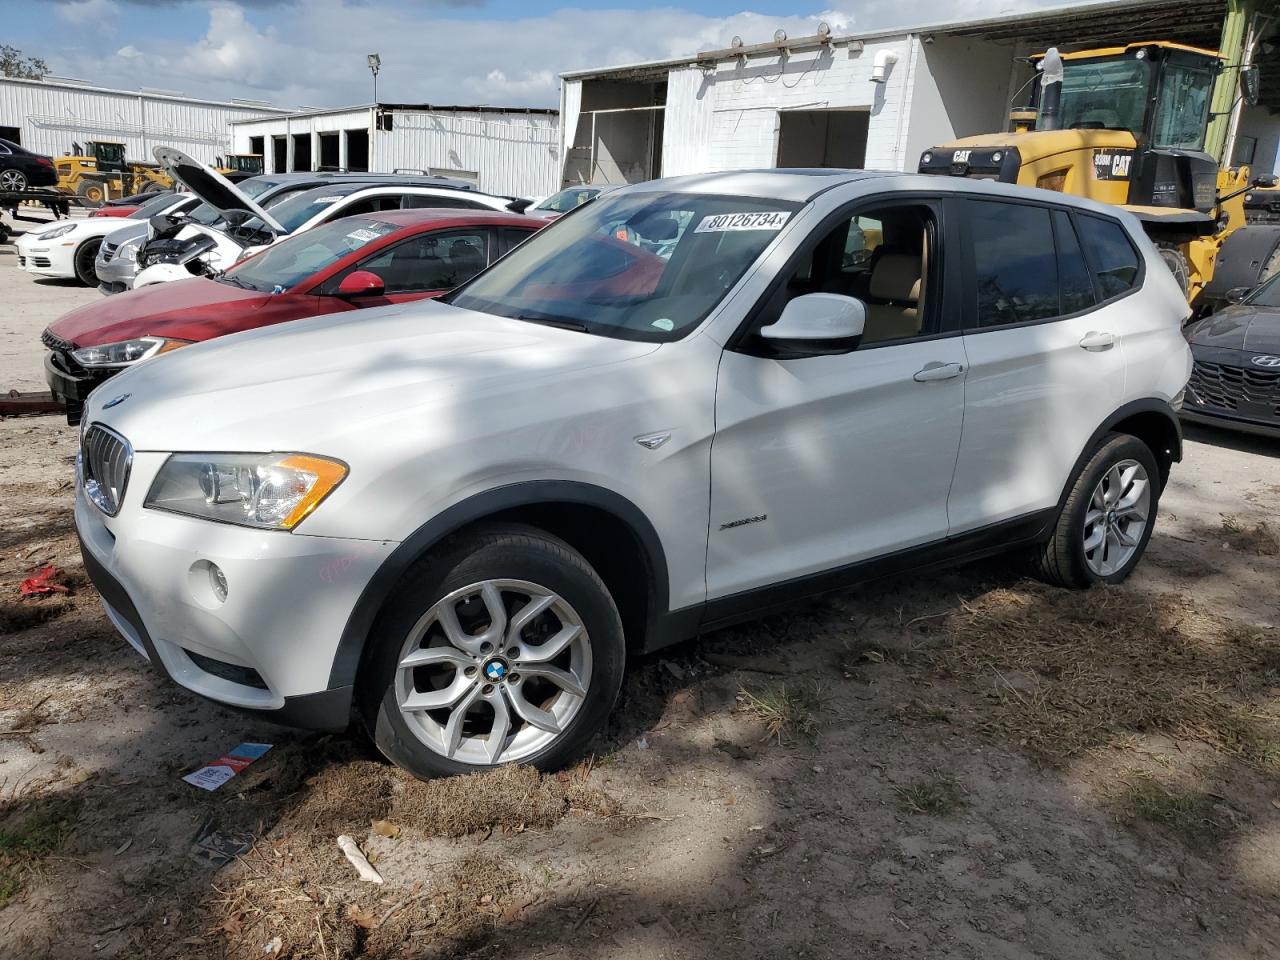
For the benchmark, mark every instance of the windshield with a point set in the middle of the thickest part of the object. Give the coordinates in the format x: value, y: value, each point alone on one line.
x: 637, y: 266
x: 1267, y: 295
x: 1182, y: 109
x: 153, y: 206
x: 290, y: 262
x: 1105, y: 95
x: 296, y: 210
x: 566, y: 200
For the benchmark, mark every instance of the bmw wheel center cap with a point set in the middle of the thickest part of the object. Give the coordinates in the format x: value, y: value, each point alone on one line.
x: 495, y: 670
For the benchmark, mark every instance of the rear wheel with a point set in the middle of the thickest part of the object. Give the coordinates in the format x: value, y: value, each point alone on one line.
x: 506, y: 647
x: 86, y: 256
x: 13, y: 180
x: 1103, y: 528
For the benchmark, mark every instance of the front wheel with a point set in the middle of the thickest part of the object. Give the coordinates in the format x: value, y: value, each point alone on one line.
x: 1106, y: 522
x: 504, y: 648
x: 85, y: 262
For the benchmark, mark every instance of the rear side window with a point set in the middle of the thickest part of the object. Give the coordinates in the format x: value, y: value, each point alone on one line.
x: 1015, y: 262
x: 1075, y: 286
x: 417, y: 201
x: 1111, y: 254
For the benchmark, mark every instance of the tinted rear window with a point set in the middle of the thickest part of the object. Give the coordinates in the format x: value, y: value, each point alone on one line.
x: 1075, y: 287
x: 1015, y: 262
x: 1113, y: 257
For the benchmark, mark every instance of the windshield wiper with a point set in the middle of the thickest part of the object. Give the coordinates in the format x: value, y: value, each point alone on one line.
x: 558, y: 324
x: 236, y: 281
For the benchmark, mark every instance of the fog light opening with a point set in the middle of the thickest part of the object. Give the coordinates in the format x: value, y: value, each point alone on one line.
x: 218, y: 582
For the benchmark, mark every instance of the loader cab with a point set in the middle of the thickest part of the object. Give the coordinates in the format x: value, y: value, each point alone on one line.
x: 108, y: 157
x: 1158, y: 92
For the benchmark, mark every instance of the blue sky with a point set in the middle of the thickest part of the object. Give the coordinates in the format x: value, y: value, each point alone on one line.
x: 505, y: 52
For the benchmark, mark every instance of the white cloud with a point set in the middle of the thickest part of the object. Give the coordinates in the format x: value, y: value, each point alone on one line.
x: 89, y: 13
x: 317, y: 56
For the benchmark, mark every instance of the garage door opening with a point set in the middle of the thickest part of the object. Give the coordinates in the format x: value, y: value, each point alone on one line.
x: 619, y: 134
x: 330, y: 155
x: 279, y: 154
x: 357, y: 150
x: 12, y: 134
x: 823, y: 138
x: 302, y: 152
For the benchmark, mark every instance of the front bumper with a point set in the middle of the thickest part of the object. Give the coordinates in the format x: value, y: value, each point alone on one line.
x: 115, y: 275
x: 46, y: 259
x: 71, y: 384
x: 1228, y: 390
x: 269, y: 646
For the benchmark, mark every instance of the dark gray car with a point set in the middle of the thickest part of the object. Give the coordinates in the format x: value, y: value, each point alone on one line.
x: 1235, y: 382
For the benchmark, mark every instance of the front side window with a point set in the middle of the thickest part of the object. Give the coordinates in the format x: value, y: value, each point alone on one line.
x: 567, y: 199
x: 1107, y: 95
x: 637, y: 266
x: 291, y: 261
x: 1183, y: 106
x: 1015, y: 262
x: 438, y: 261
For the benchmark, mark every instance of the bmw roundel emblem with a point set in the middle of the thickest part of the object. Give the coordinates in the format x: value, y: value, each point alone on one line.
x: 1267, y: 361
x: 116, y: 401
x: 495, y: 670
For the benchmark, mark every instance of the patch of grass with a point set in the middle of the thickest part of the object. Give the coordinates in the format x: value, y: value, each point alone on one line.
x: 935, y: 798
x: 1114, y: 662
x: 1259, y: 538
x: 1145, y: 799
x: 27, y: 837
x: 786, y: 711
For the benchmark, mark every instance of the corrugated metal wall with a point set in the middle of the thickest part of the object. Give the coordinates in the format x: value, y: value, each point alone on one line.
x: 515, y: 154
x: 52, y: 116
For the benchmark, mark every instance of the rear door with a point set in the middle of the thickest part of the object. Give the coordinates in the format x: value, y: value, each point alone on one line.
x: 1045, y: 352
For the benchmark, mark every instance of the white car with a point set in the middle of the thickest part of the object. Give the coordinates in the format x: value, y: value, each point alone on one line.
x: 254, y: 227
x: 68, y: 248
x: 456, y: 518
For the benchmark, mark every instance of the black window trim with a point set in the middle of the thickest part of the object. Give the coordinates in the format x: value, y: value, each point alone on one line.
x: 942, y: 235
x: 971, y: 326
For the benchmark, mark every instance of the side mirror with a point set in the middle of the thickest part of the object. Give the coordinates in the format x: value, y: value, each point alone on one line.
x: 818, y: 323
x: 361, y: 283
x: 1266, y: 180
x: 1251, y: 85
x: 1236, y: 294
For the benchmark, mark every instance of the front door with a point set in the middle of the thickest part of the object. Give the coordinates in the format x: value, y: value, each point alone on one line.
x: 824, y: 461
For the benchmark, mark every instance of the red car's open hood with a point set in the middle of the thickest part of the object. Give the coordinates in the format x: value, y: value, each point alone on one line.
x: 181, y: 310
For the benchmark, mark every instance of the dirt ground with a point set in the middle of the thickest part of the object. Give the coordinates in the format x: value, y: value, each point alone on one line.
x: 27, y: 305
x: 963, y: 764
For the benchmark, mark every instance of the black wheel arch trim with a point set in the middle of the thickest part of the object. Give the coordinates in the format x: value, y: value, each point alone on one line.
x: 531, y: 493
x: 1133, y: 408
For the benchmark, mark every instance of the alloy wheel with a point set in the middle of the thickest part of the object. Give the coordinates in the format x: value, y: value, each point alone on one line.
x: 13, y: 180
x: 494, y: 672
x: 1117, y: 517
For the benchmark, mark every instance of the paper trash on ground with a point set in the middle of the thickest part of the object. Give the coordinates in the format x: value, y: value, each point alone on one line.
x: 215, y: 774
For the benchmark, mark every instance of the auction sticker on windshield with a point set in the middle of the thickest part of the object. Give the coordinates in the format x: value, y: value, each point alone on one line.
x: 726, y: 222
x: 364, y: 235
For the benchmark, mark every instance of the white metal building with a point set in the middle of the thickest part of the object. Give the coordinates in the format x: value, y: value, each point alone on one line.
x: 502, y: 150
x: 49, y: 115
x: 874, y: 100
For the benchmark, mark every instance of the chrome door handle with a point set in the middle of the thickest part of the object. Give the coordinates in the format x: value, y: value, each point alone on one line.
x: 938, y: 371
x: 1096, y: 340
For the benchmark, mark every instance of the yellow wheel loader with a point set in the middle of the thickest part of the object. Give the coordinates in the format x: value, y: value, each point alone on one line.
x: 98, y: 171
x: 239, y: 166
x: 1127, y: 125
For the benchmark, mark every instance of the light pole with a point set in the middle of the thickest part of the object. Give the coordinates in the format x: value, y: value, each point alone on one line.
x: 375, y: 63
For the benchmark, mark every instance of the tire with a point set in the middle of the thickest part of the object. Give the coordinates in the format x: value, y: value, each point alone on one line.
x: 86, y: 255
x: 92, y: 192
x: 1177, y: 263
x: 13, y: 180
x: 1066, y: 559
x: 519, y: 566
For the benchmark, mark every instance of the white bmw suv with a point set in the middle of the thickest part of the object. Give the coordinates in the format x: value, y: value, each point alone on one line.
x: 686, y: 402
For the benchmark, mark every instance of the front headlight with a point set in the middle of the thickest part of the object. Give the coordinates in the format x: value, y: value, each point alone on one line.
x: 126, y: 352
x: 56, y: 232
x: 128, y: 252
x: 273, y: 491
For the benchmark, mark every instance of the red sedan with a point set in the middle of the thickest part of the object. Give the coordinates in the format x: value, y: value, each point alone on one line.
x: 364, y: 260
